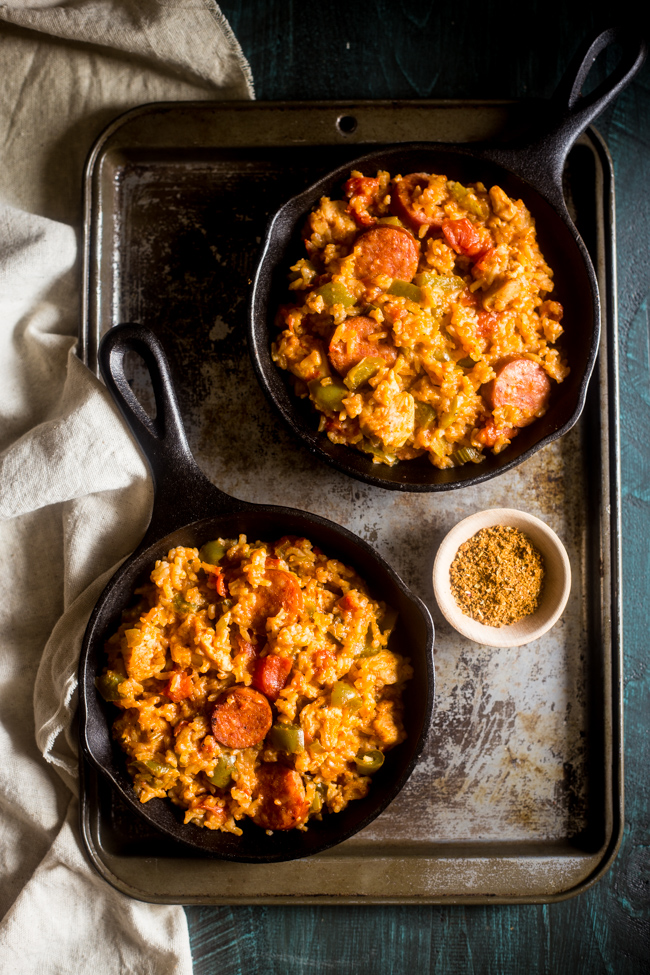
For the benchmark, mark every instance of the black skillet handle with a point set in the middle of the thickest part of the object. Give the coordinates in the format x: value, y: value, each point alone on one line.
x: 183, y: 494
x: 568, y: 113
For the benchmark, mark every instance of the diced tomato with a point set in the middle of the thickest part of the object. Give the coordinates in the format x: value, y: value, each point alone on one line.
x: 483, y: 259
x: 349, y: 603
x: 487, y: 323
x: 270, y: 675
x: 361, y: 191
x: 462, y: 236
x: 217, y: 580
x: 272, y: 563
x: 333, y: 424
x: 323, y: 660
x: 490, y: 433
x: 179, y: 686
x: 361, y: 186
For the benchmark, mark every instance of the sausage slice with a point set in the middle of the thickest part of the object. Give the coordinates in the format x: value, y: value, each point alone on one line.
x: 404, y: 207
x: 522, y: 384
x: 241, y: 718
x: 388, y: 250
x: 270, y: 675
x: 283, y: 592
x: 283, y: 804
x: 351, y: 344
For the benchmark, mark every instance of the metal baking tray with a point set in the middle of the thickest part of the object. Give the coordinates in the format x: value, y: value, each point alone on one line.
x: 518, y: 796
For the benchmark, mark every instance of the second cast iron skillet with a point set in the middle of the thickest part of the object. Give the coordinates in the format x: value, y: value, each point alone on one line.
x: 529, y: 168
x: 189, y: 510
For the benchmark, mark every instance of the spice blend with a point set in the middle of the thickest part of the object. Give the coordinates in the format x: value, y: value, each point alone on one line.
x: 497, y: 576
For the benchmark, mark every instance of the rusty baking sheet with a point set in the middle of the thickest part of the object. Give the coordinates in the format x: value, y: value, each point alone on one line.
x: 518, y: 796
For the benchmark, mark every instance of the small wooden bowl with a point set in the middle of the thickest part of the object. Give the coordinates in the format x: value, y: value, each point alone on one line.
x: 555, y: 592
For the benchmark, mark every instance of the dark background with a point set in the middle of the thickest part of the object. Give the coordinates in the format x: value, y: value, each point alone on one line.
x: 426, y: 49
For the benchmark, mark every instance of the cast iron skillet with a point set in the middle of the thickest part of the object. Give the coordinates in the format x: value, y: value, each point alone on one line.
x: 190, y: 510
x: 529, y: 168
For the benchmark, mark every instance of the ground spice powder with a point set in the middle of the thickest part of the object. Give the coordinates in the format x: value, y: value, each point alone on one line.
x: 497, y: 576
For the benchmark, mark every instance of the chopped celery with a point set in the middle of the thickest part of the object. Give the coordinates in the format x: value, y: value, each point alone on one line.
x: 383, y: 455
x: 425, y: 415
x: 319, y: 798
x: 448, y: 418
x: 463, y: 196
x: 181, y: 605
x: 465, y: 454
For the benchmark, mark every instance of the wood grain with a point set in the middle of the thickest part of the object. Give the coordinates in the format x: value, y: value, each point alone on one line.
x: 408, y: 49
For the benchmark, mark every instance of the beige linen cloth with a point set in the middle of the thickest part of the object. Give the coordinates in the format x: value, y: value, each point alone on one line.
x: 74, y: 492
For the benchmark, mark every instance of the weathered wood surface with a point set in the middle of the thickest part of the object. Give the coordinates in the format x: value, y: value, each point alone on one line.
x: 418, y: 49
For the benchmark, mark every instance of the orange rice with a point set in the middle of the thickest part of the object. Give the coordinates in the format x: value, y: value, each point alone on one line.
x: 200, y: 630
x: 405, y: 367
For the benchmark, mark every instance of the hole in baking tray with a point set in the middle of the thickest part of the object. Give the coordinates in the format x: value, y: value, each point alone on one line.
x: 347, y: 124
x: 139, y: 379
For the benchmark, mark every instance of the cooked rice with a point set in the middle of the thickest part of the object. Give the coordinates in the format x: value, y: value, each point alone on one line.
x: 475, y: 300
x: 196, y: 632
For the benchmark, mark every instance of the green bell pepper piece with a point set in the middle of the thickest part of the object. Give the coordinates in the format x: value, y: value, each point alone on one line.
x: 329, y: 398
x: 463, y: 196
x: 287, y: 737
x: 466, y: 363
x: 156, y: 768
x: 369, y: 761
x: 181, y: 605
x: 222, y: 771
x: 425, y: 415
x: 108, y: 685
x: 363, y: 371
x: 369, y: 650
x: 345, y: 696
x: 212, y: 552
x: 335, y: 293
x: 390, y: 221
x: 404, y: 289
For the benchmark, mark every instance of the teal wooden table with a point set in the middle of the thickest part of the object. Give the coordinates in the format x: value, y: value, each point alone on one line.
x: 418, y: 49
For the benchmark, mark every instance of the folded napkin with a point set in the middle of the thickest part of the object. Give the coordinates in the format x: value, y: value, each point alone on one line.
x: 75, y: 495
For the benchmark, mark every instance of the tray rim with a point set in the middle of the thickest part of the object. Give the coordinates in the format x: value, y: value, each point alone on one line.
x: 610, y: 508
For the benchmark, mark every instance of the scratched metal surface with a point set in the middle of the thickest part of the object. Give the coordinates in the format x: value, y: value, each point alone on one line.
x: 516, y: 763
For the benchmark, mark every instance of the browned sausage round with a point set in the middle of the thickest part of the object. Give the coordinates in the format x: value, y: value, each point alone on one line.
x: 241, y: 718
x: 353, y: 345
x: 283, y: 592
x: 520, y: 383
x: 403, y: 206
x: 283, y: 804
x: 386, y: 250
